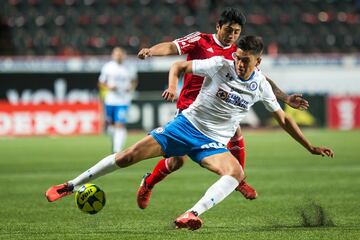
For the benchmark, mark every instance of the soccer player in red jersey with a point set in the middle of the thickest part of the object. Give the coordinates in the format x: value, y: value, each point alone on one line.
x: 203, y: 46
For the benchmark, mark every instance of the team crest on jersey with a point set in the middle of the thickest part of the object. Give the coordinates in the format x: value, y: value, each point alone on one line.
x: 253, y: 86
x: 159, y: 130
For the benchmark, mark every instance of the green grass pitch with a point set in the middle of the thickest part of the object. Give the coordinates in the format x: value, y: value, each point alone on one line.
x: 300, y: 196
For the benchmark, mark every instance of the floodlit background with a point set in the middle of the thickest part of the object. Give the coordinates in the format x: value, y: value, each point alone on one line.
x: 51, y: 129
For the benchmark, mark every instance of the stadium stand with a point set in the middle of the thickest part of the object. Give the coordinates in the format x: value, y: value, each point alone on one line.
x: 94, y: 27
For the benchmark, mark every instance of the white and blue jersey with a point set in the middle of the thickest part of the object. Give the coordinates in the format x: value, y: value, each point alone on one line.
x: 225, y: 99
x: 211, y: 120
x: 117, y: 100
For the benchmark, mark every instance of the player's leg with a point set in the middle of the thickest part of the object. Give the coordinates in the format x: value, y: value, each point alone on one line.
x: 110, y: 124
x: 231, y: 174
x: 120, y: 132
x: 236, y: 146
x: 146, y: 148
x: 163, y: 168
x: 178, y: 129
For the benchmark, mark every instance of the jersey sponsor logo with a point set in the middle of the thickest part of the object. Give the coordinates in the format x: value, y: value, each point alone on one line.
x: 213, y: 145
x: 232, y: 98
x: 253, y: 86
x: 222, y: 94
x: 210, y: 49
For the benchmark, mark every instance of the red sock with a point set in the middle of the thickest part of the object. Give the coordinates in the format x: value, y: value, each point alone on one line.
x: 237, y: 148
x: 159, y: 173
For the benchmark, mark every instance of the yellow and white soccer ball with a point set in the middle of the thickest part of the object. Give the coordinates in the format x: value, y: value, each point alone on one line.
x: 90, y: 198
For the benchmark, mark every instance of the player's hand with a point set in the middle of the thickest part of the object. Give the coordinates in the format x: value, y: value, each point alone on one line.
x: 169, y: 95
x: 296, y: 101
x: 323, y: 151
x: 144, y: 53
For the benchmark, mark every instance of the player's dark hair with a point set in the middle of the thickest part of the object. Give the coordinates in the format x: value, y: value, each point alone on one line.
x: 252, y: 44
x: 232, y: 15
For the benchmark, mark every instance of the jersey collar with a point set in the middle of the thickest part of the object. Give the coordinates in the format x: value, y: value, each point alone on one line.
x: 251, y: 76
x: 219, y: 43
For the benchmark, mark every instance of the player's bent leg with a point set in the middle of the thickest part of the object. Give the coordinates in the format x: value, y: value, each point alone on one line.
x: 164, y: 167
x: 236, y: 146
x: 231, y: 174
x: 145, y: 148
x: 224, y: 164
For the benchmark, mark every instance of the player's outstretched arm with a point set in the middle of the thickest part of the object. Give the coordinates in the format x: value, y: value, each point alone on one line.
x: 176, y: 69
x: 161, y: 49
x: 294, y: 100
x: 290, y: 126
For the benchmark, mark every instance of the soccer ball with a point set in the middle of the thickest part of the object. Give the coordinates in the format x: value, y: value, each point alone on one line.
x: 90, y: 198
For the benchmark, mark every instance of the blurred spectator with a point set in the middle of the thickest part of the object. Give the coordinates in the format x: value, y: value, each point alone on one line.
x: 94, y: 26
x: 68, y: 51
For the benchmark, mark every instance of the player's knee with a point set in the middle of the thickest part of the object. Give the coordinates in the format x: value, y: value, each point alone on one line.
x: 175, y: 163
x: 237, y: 172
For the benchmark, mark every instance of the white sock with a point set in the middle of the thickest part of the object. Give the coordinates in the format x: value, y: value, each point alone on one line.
x: 119, y: 138
x: 103, y: 167
x: 215, y: 194
x: 110, y: 130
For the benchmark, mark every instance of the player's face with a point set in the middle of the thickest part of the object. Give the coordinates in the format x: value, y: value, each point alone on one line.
x: 228, y: 33
x: 118, y: 55
x: 245, y: 63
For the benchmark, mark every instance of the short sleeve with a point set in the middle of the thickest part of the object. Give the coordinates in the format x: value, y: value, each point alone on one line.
x: 188, y: 43
x: 207, y: 67
x: 268, y: 97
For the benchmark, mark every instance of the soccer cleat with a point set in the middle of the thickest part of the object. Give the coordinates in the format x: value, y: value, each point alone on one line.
x: 144, y: 193
x: 188, y: 220
x: 246, y: 190
x: 56, y: 192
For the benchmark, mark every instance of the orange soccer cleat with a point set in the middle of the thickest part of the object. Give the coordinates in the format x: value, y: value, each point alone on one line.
x: 56, y: 192
x: 144, y: 193
x: 246, y: 190
x: 189, y: 220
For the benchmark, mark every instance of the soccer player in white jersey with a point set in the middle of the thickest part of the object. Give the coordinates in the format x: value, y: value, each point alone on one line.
x: 202, y: 46
x: 202, y: 131
x: 119, y: 82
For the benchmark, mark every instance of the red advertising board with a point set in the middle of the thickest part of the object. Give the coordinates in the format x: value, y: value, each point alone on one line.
x: 343, y: 112
x: 49, y: 119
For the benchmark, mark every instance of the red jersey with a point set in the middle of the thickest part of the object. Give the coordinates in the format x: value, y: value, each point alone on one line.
x: 198, y: 46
